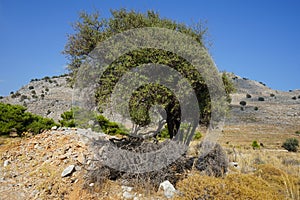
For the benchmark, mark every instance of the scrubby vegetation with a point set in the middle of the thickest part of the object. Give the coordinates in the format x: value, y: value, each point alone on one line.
x: 291, y: 144
x: 261, y: 99
x: 255, y: 145
x: 14, y: 118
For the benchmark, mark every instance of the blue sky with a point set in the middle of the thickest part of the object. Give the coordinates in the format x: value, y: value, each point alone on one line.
x: 257, y: 39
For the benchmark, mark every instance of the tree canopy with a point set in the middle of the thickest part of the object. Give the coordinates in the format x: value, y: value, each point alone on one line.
x: 90, y: 30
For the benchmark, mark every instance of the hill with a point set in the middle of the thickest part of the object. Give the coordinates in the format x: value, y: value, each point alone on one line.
x: 35, y: 167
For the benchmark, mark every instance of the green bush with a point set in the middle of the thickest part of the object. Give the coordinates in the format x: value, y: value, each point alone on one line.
x: 110, y: 128
x: 255, y: 145
x: 294, y: 97
x: 291, y: 144
x: 198, y: 135
x: 261, y: 99
x: 15, y: 117
x: 248, y: 96
x: 297, y: 132
x: 31, y: 87
x: 256, y: 108
x: 67, y: 119
x: 243, y: 103
x: 272, y: 95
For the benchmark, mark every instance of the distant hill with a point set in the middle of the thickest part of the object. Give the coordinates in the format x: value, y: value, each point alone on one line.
x: 49, y: 97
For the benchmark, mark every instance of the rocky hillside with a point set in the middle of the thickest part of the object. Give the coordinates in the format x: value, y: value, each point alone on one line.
x: 50, y: 97
x: 255, y: 103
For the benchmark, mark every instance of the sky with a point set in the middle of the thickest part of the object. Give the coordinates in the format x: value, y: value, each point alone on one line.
x: 257, y: 39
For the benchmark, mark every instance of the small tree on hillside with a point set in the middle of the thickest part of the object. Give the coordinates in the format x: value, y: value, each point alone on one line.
x: 90, y: 30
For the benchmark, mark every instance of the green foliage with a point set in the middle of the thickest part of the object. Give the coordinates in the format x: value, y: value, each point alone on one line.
x: 256, y: 108
x: 198, y: 135
x: 90, y: 30
x: 255, y: 145
x: 272, y: 95
x: 67, y: 119
x: 248, y: 96
x: 291, y: 144
x: 261, y: 99
x: 15, y: 117
x: 243, y: 103
x: 297, y: 132
x: 31, y: 87
x: 294, y: 97
x: 110, y: 128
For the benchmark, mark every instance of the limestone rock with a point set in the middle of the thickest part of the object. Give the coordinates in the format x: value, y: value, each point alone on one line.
x: 68, y: 171
x: 168, y: 188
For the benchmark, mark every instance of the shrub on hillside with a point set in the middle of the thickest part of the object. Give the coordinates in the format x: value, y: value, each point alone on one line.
x: 67, y: 119
x: 248, y: 96
x: 15, y: 117
x: 31, y: 87
x: 255, y: 145
x: 294, y: 97
x: 243, y: 103
x: 110, y: 128
x: 261, y: 99
x: 291, y: 144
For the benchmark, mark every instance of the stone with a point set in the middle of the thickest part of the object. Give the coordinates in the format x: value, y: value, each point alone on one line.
x: 168, y: 188
x: 6, y: 163
x: 77, y: 168
x: 54, y: 128
x: 233, y: 164
x: 126, y: 188
x: 91, y: 184
x: 128, y: 195
x: 81, y: 158
x: 68, y: 171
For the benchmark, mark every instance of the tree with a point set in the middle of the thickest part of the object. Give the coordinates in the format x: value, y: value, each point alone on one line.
x: 91, y: 30
x: 15, y: 117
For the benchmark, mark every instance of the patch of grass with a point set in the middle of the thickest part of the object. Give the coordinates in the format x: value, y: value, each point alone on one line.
x: 233, y: 186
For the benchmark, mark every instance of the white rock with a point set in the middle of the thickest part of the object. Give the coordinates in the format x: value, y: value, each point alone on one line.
x: 128, y: 195
x: 54, y: 128
x: 6, y: 163
x: 126, y: 188
x: 168, y: 189
x: 68, y: 171
x: 91, y: 184
x: 233, y: 164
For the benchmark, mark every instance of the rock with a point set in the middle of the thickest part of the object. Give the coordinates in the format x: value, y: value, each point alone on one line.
x: 128, y: 195
x: 168, y: 188
x: 62, y: 157
x: 126, y: 188
x: 77, y: 168
x: 91, y: 184
x: 233, y: 164
x: 54, y: 128
x: 68, y: 171
x: 6, y: 163
x: 81, y: 158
